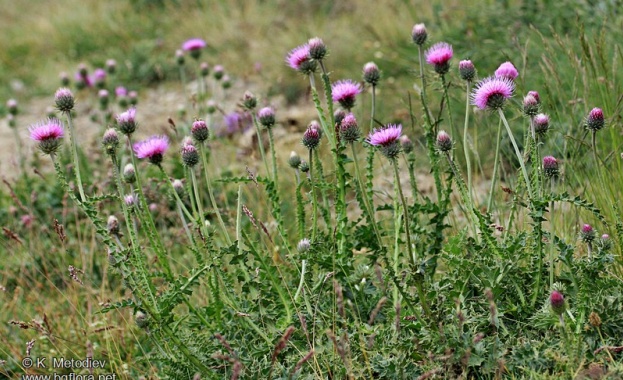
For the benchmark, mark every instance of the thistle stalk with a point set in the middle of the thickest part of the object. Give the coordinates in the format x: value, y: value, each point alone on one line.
x: 74, y: 150
x: 517, y: 152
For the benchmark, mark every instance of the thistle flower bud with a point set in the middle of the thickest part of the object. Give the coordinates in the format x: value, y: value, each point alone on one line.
x: 595, y: 119
x: 541, y: 124
x: 419, y: 34
x: 294, y: 161
x: 557, y: 302
x: 317, y: 49
x: 111, y: 66
x: 82, y: 70
x: 226, y: 82
x: 178, y: 186
x: 64, y: 100
x: 267, y: 117
x: 444, y: 142
x: 103, y: 98
x: 530, y: 106
x: 129, y: 174
x: 64, y: 78
x: 587, y: 233
x: 11, y: 106
x: 550, y: 167
x: 371, y: 73
x: 110, y: 141
x: 406, y: 143
x: 605, y: 243
x: 467, y: 71
x: 304, y: 166
x: 349, y: 129
x: 339, y: 116
x: 211, y: 106
x: 200, y: 131
x: 536, y: 96
x: 204, y: 69
x: 179, y: 57
x: 249, y: 101
x: 100, y: 78
x: 311, y: 137
x: 130, y: 200
x: 133, y: 97
x: 141, y: 319
x: 190, y: 156
x: 113, y: 225
x: 126, y: 121
x: 303, y: 246
x: 219, y: 72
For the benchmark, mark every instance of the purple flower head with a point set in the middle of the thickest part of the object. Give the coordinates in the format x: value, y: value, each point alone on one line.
x: 121, y: 91
x: 419, y: 34
x: 507, y: 70
x: 344, y: 92
x: 130, y: 200
x: 557, y: 302
x: 153, y: 148
x: 204, y: 69
x: 300, y: 59
x: 371, y: 73
x: 126, y: 121
x: 387, y: 139
x: 235, y: 122
x: 595, y: 119
x: 467, y: 71
x: 133, y: 96
x: 99, y: 75
x: 439, y: 56
x: 550, y: 166
x: 194, y: 46
x: 267, y: 117
x: 541, y: 124
x: 110, y: 141
x: 492, y: 92
x: 47, y: 134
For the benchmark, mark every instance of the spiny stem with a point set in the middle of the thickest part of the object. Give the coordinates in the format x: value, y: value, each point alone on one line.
x: 364, y: 195
x: 74, y: 149
x: 406, y: 214
x: 211, y: 193
x: 465, y: 146
x: 274, y: 157
x: 313, y: 197
x: 552, y: 237
x: 496, y: 164
x: 517, y: 152
x: 373, y: 111
x: 201, y: 216
x: 259, y: 142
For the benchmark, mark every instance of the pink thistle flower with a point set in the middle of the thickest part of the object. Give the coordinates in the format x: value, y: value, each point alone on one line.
x: 200, y: 131
x: 48, y: 135
x: 153, y: 148
x: 587, y: 233
x: 541, y: 124
x: 371, y: 73
x: 300, y: 59
x: 267, y: 117
x: 317, y: 49
x: 121, y: 91
x: 64, y: 99
x: 344, y: 92
x: 467, y: 71
x: 444, y: 142
x: 439, y: 56
x: 536, y: 96
x: 99, y: 75
x: 507, y: 70
x: 387, y: 139
x: 194, y: 47
x: 492, y: 92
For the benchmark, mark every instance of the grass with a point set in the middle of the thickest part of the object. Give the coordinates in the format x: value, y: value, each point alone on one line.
x: 472, y: 300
